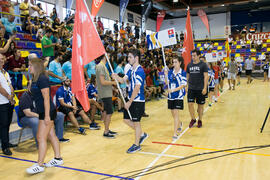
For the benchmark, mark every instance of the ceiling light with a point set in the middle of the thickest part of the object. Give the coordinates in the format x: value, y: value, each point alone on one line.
x: 175, y: 1
x: 222, y: 5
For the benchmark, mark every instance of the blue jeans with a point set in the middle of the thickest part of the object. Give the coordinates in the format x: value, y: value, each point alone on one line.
x: 32, y: 122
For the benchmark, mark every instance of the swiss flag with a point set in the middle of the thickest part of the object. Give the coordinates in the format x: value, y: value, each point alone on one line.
x: 87, y: 46
x: 96, y: 4
x: 188, y: 42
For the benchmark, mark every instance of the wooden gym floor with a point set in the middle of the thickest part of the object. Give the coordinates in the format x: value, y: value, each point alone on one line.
x: 228, y: 146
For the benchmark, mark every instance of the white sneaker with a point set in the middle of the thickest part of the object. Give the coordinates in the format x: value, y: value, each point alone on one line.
x: 35, y: 169
x: 54, y: 162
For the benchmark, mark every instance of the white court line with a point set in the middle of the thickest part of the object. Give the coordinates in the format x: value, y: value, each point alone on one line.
x: 169, y: 146
x: 156, y: 154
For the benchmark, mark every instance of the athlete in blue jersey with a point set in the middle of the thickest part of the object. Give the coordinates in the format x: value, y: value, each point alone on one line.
x: 177, y: 80
x: 211, y: 83
x: 93, y: 95
x: 136, y: 99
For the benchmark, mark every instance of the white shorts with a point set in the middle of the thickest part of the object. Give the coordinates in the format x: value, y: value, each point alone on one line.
x: 216, y: 81
x: 231, y: 75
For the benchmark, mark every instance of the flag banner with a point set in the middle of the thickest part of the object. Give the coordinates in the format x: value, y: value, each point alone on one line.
x: 161, y: 39
x: 160, y: 18
x: 188, y: 44
x: 204, y: 19
x: 96, y: 4
x: 122, y: 9
x: 147, y: 6
x: 87, y: 46
x: 211, y: 57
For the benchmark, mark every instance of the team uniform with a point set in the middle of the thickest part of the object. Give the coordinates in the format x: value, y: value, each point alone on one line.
x: 266, y: 67
x: 136, y: 77
x: 196, y: 82
x: 176, y: 79
x: 91, y: 90
x: 211, y: 81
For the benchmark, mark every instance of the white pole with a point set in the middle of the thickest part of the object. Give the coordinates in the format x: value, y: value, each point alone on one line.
x: 120, y: 90
x: 166, y: 68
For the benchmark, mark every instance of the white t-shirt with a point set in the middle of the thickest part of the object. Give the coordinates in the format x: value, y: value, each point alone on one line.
x: 249, y: 64
x: 5, y: 82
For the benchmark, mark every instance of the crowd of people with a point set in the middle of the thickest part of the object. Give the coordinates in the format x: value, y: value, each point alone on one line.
x: 140, y: 72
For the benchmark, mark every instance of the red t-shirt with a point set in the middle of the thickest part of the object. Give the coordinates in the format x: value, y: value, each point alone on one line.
x: 4, y: 9
x: 216, y: 69
x: 12, y: 63
x: 149, y: 81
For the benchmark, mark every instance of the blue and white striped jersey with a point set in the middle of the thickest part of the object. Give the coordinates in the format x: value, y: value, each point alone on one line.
x: 177, y: 79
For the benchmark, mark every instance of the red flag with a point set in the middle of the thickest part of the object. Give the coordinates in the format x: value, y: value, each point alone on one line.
x: 87, y: 46
x: 160, y: 18
x: 204, y: 19
x: 96, y: 4
x: 188, y: 41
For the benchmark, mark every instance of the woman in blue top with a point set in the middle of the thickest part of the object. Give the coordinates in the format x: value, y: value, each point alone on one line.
x: 40, y: 89
x: 176, y: 91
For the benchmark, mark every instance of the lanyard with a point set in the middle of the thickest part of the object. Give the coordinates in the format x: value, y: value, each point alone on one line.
x: 6, y: 76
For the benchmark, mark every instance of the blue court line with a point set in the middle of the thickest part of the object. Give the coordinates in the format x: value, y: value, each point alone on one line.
x: 74, y: 169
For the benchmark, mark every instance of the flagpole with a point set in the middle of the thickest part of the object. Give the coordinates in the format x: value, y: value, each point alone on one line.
x: 166, y: 68
x: 117, y: 83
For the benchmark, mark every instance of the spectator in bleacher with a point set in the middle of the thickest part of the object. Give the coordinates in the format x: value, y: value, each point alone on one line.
x: 7, y: 45
x: 11, y: 50
x: 12, y: 5
x: 230, y: 40
x: 67, y: 104
x: 243, y: 43
x: 259, y: 44
x: 6, y: 107
x: 249, y: 66
x: 116, y: 29
x: 90, y: 69
x: 243, y: 32
x: 28, y: 117
x: 4, y: 6
x: 128, y: 29
x: 9, y: 25
x: 16, y: 65
x: 100, y: 25
x: 28, y: 25
x: 56, y: 68
x: 48, y: 46
x: 93, y: 96
x: 67, y: 66
x: 24, y: 8
x: 182, y: 36
x: 252, y: 29
x: 53, y: 15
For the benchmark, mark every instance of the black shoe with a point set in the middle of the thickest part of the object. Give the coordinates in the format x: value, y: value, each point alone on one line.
x: 12, y: 145
x: 7, y: 152
x: 108, y: 135
x: 145, y: 115
x: 112, y: 132
x: 63, y: 140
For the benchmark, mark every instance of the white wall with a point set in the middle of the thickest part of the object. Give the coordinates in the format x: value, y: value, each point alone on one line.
x: 216, y: 21
x: 111, y: 11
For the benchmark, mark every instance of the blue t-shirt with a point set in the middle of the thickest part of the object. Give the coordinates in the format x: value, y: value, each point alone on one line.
x: 10, y: 26
x: 56, y: 68
x: 91, y: 90
x: 266, y: 66
x: 119, y: 69
x: 136, y: 77
x: 36, y: 87
x: 91, y: 68
x: 211, y: 81
x: 65, y: 94
x: 176, y: 80
x: 67, y: 68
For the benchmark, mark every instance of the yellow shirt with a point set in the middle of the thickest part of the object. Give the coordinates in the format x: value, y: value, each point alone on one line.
x: 26, y: 7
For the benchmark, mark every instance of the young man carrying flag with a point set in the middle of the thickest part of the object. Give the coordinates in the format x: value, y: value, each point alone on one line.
x: 136, y: 102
